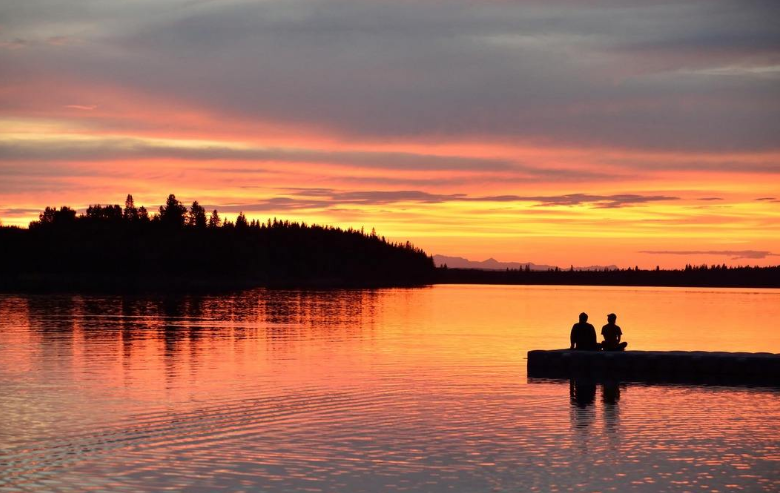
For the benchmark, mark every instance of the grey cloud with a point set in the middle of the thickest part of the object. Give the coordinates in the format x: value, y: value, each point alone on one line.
x: 723, y: 166
x: 131, y: 148
x: 43, y: 184
x: 710, y: 199
x: 19, y: 43
x: 540, y: 71
x: 735, y: 254
x: 307, y: 198
x: 276, y: 204
x: 18, y: 211
x: 14, y: 44
x: 79, y: 154
x: 727, y: 28
x: 47, y: 169
x: 386, y: 197
x: 321, y: 198
x: 45, y: 156
x: 598, y: 201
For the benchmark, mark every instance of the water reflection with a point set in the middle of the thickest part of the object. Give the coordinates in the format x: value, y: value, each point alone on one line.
x: 178, y: 330
x: 610, y: 398
x: 582, y: 397
x: 610, y: 394
x: 383, y: 390
x: 582, y: 393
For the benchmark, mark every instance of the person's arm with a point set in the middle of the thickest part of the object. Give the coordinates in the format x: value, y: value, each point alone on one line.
x: 571, y: 337
x: 619, y: 334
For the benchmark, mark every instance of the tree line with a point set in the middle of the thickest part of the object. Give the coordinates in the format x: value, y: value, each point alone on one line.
x: 115, y: 247
x: 692, y: 275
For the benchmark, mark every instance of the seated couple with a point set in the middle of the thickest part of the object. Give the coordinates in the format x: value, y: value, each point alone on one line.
x: 583, y: 335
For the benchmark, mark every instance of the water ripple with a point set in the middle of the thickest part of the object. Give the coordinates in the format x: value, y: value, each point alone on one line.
x: 360, y: 391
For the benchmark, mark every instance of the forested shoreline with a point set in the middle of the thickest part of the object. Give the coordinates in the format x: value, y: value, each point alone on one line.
x: 691, y: 276
x: 127, y: 249
x: 116, y: 248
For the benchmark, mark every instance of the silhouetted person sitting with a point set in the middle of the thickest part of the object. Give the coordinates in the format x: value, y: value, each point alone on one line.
x: 612, y: 335
x: 583, y: 335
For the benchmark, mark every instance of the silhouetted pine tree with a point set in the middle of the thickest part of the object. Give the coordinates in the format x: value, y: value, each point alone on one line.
x: 172, y: 215
x: 197, y: 216
x: 130, y: 212
x: 143, y: 215
x: 214, y: 219
x: 241, y: 221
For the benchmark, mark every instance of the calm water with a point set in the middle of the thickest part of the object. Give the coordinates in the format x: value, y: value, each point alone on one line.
x: 388, y: 390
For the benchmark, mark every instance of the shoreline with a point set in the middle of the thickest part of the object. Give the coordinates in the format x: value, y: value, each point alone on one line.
x: 179, y: 285
x: 40, y: 284
x: 700, y: 277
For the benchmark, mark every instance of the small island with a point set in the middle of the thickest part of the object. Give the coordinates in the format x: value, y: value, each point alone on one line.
x: 125, y: 249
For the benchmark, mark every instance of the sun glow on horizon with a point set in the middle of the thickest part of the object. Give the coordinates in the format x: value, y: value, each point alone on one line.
x: 471, y: 201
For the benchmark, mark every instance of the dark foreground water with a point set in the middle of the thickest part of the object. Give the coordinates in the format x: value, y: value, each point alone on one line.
x: 387, y: 390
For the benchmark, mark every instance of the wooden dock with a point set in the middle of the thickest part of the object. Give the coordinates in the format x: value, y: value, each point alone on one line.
x: 682, y: 366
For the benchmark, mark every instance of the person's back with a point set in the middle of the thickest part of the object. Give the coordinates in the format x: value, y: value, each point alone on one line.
x: 583, y: 335
x: 612, y: 335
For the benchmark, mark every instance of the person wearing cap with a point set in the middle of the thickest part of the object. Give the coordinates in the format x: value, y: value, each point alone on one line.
x: 612, y: 335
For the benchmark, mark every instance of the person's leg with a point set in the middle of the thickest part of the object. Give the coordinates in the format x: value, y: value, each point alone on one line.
x: 623, y: 346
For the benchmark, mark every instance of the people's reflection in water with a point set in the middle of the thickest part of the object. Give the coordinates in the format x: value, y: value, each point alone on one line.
x: 582, y: 395
x: 610, y: 393
x: 610, y: 397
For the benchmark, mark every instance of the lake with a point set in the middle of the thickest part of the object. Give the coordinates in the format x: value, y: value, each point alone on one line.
x: 420, y: 390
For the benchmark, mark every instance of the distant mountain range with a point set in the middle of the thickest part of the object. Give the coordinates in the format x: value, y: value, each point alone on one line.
x: 493, y: 264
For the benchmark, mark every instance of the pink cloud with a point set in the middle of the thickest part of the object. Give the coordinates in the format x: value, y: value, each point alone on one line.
x: 84, y: 107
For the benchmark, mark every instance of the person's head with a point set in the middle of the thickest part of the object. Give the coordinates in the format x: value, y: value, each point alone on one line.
x: 611, y: 318
x: 583, y: 317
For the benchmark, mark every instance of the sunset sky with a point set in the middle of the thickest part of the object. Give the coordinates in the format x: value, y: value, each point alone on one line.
x: 550, y: 131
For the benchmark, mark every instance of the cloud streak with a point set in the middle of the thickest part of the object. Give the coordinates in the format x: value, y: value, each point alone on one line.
x: 123, y: 149
x: 599, y: 201
x: 324, y: 198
